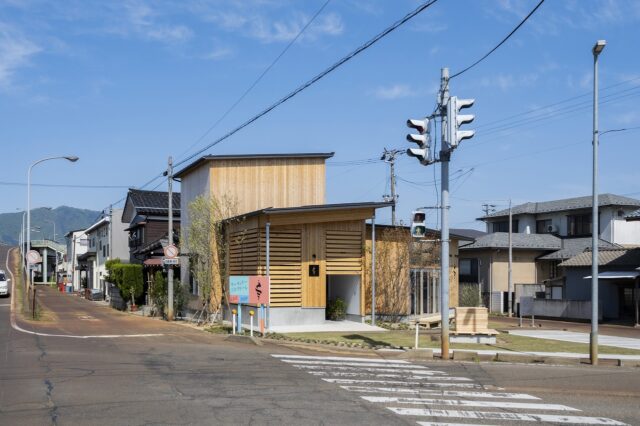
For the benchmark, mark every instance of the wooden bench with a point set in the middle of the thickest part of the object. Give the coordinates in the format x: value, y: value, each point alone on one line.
x: 472, y: 326
x: 430, y: 320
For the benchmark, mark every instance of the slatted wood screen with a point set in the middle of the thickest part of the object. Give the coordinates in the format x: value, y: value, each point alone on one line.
x: 243, y: 253
x: 344, y: 252
x: 285, y: 266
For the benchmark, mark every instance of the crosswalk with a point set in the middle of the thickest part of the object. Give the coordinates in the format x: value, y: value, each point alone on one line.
x: 431, y: 396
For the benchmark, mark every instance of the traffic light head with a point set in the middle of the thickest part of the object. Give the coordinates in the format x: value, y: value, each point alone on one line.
x: 455, y: 120
x: 422, y: 139
x: 418, y: 226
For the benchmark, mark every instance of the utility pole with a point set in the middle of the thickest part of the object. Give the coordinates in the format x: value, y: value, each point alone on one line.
x: 445, y: 156
x: 389, y: 156
x: 488, y: 209
x: 170, y: 237
x: 510, y: 275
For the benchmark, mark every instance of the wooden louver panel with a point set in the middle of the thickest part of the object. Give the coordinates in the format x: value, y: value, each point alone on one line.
x: 244, y: 253
x: 344, y: 252
x: 285, y: 266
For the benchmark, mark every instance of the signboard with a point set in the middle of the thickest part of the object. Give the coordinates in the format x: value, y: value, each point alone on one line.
x: 249, y: 289
x: 239, y: 289
x: 33, y: 257
x: 170, y: 261
x: 314, y: 270
x: 171, y: 251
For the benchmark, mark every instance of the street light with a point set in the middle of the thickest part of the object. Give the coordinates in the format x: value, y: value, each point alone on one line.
x: 71, y: 158
x: 595, y: 225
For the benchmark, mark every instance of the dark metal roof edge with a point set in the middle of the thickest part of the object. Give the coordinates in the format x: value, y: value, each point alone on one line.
x: 200, y: 160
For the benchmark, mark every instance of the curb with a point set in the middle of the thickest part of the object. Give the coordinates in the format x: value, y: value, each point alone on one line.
x: 244, y: 339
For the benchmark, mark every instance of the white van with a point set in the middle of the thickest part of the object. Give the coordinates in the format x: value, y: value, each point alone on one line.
x: 4, y: 284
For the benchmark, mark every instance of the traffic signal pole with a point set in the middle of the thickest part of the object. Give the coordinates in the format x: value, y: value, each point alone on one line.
x: 445, y: 154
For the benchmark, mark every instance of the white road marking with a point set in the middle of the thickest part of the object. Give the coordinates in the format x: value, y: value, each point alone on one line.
x: 351, y: 364
x: 469, y: 403
x: 451, y: 424
x: 400, y: 382
x: 390, y: 376
x: 408, y: 370
x: 462, y: 394
x: 16, y: 327
x: 497, y: 415
x: 340, y: 358
x: 5, y: 304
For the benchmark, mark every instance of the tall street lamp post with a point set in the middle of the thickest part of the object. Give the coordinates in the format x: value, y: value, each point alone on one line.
x: 595, y: 225
x: 71, y: 158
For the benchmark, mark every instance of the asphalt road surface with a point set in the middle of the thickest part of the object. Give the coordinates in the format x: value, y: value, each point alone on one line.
x: 172, y: 374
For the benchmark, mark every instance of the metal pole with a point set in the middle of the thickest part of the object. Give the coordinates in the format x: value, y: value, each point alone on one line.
x: 635, y: 297
x: 28, y: 246
x: 268, y: 237
x: 444, y: 211
x: 510, y: 274
x: 593, y: 343
x: 170, y: 312
x: 393, y: 191
x: 373, y: 269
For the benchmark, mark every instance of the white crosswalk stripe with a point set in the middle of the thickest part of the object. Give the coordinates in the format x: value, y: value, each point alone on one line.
x: 400, y: 386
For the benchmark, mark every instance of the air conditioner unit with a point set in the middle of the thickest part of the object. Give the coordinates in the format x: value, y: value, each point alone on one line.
x: 552, y: 229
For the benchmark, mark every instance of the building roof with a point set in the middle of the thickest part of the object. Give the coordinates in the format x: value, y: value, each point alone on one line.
x: 500, y: 240
x: 466, y: 233
x: 98, y: 224
x: 574, y: 246
x: 151, y: 203
x: 199, y: 161
x: 634, y: 215
x: 314, y: 208
x: 565, y: 204
x: 618, y: 257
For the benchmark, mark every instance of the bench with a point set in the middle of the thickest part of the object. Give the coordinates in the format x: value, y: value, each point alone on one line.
x: 430, y: 320
x: 472, y: 326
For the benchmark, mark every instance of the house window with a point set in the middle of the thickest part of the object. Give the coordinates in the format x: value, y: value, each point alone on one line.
x: 543, y: 226
x: 503, y: 226
x: 468, y: 270
x: 579, y: 225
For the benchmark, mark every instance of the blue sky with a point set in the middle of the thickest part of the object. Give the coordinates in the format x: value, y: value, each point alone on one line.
x: 123, y: 85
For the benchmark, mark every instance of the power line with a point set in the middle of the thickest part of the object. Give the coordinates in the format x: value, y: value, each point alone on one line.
x: 257, y: 80
x: 314, y: 80
x: 499, y: 44
x: 53, y: 185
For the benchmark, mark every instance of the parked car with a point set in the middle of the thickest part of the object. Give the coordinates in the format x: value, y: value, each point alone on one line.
x: 4, y: 284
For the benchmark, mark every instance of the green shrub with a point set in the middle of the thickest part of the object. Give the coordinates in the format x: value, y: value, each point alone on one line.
x: 336, y: 309
x: 158, y: 292
x: 130, y: 280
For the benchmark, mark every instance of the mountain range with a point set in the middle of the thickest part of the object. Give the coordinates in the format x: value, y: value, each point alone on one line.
x: 42, y: 219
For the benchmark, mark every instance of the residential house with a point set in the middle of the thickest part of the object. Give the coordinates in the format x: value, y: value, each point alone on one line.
x: 147, y: 215
x: 77, y: 245
x: 544, y: 235
x: 618, y: 281
x: 107, y: 239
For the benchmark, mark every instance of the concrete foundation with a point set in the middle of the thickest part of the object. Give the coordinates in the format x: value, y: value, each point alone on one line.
x: 473, y: 338
x: 282, y: 316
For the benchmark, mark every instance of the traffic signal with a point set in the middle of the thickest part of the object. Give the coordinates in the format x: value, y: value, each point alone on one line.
x: 422, y: 139
x: 455, y: 120
x: 418, y: 226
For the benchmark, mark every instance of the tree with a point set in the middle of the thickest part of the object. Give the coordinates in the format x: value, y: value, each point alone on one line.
x: 207, y: 244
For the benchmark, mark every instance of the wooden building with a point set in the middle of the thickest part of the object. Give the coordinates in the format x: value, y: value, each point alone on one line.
x: 316, y: 250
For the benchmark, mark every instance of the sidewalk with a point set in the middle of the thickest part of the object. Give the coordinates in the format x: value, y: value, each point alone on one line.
x: 574, y: 337
x: 505, y: 323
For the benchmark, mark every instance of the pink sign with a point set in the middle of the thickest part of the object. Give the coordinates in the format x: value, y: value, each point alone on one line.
x: 258, y: 290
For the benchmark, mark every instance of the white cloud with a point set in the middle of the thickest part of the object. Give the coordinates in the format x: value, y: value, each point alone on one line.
x: 628, y: 118
x: 266, y: 30
x: 142, y: 20
x: 219, y: 52
x: 15, y: 53
x: 395, y: 91
x: 509, y: 81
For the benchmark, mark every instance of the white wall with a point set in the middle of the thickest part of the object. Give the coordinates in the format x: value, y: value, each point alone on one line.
x: 193, y: 184
x: 346, y: 287
x: 626, y: 233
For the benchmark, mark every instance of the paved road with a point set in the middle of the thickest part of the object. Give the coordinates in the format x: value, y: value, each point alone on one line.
x: 184, y: 376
